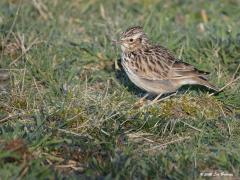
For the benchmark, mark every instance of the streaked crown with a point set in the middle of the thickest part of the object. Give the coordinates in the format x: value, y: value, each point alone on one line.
x: 133, y: 31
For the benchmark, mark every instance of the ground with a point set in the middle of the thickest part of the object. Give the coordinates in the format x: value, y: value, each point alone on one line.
x: 69, y: 111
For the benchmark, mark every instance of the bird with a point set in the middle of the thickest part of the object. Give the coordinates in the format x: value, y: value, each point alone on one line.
x: 154, y: 68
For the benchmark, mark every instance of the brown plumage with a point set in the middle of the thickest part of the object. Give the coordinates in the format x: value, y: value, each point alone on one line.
x: 154, y: 68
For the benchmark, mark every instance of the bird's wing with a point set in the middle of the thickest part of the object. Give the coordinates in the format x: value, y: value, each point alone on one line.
x: 184, y: 70
x: 158, y: 63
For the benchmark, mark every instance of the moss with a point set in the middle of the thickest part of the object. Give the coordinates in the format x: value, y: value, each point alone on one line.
x: 187, y: 106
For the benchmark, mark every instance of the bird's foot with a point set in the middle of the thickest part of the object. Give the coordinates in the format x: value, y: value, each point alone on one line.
x: 140, y: 102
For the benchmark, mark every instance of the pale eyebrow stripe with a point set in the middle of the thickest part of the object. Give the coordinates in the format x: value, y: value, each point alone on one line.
x: 135, y: 36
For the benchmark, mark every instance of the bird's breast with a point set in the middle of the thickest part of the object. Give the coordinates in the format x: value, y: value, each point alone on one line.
x: 149, y: 85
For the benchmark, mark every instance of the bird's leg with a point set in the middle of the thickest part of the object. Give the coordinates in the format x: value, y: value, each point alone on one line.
x: 155, y: 99
x: 142, y: 99
x: 170, y: 95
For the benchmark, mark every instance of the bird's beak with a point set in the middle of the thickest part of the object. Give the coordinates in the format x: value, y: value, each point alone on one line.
x: 115, y: 42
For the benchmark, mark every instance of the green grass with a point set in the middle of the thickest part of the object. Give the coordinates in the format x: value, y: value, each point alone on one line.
x: 68, y: 111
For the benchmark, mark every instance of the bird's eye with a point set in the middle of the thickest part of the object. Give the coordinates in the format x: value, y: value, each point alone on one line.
x: 131, y: 40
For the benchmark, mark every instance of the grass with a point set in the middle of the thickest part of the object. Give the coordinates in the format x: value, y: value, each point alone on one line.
x: 68, y: 111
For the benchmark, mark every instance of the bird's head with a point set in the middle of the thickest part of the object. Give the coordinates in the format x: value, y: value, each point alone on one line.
x: 133, y: 39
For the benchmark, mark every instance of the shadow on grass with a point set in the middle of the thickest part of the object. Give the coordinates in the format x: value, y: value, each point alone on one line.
x: 195, y: 88
x: 122, y: 77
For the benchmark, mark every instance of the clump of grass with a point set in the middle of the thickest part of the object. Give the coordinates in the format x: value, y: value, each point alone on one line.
x: 186, y: 106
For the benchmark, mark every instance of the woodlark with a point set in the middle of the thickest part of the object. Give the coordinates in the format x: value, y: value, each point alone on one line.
x: 154, y: 68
